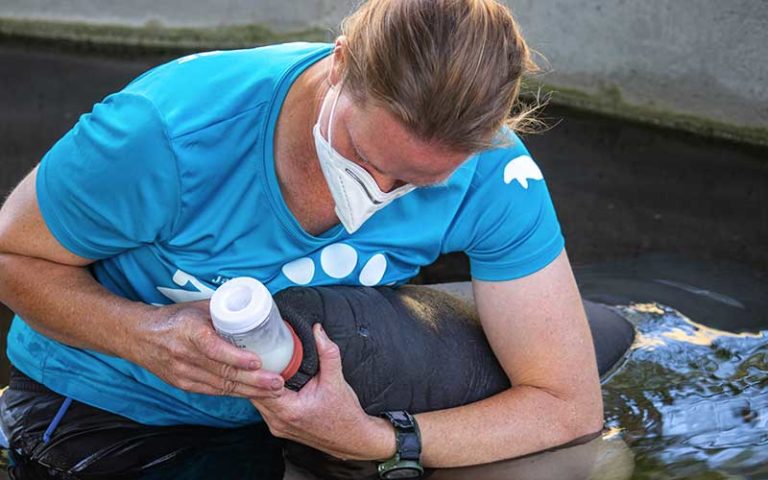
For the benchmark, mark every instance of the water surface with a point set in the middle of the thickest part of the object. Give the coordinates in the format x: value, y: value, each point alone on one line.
x: 691, y: 401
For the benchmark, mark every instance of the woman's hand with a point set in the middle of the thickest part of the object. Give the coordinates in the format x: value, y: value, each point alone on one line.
x: 179, y: 345
x: 326, y: 413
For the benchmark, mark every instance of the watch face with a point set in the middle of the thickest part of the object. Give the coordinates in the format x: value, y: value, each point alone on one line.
x: 403, y: 472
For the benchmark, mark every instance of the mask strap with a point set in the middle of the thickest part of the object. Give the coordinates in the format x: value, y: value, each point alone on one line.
x: 330, y: 118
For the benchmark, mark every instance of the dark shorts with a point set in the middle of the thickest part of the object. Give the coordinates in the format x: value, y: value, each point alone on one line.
x: 92, y: 442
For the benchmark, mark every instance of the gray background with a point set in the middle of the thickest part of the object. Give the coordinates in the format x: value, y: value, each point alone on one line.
x: 705, y: 58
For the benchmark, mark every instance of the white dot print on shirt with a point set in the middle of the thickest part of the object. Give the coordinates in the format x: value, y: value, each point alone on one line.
x: 373, y: 271
x: 337, y: 261
x: 300, y: 271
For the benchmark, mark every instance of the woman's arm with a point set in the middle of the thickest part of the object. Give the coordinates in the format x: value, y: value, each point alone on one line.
x: 54, y: 292
x: 538, y: 330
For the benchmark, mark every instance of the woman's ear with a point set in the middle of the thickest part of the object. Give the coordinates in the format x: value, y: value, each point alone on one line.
x: 337, y: 61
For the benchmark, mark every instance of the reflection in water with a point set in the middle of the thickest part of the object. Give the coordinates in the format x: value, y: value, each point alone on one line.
x: 691, y: 399
x: 603, y: 458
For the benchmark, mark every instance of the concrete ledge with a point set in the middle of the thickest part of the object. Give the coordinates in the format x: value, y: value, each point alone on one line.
x: 609, y: 102
x: 151, y: 38
x: 155, y: 38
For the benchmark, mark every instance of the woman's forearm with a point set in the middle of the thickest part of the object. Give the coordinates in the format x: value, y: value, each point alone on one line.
x: 515, y: 422
x: 175, y: 342
x: 67, y: 304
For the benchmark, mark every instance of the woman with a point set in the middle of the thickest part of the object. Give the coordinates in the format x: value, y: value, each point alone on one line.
x: 301, y: 164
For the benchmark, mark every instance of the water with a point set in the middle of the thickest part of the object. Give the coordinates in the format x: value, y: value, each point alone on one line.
x: 691, y: 401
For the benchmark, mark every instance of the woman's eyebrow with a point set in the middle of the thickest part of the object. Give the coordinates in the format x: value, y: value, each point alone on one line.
x: 361, y: 157
x: 418, y: 184
x: 365, y: 160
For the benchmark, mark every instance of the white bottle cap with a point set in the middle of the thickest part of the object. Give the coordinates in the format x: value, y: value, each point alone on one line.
x: 239, y: 305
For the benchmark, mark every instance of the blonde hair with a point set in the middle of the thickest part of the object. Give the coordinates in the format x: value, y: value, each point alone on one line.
x: 450, y: 70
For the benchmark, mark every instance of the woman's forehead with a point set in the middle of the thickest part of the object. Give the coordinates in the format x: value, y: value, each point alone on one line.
x: 383, y: 141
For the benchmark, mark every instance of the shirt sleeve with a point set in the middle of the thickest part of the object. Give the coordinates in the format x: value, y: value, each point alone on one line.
x: 111, y: 183
x: 507, y: 224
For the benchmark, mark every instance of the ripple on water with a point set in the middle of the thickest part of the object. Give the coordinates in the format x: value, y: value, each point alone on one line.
x: 691, y: 399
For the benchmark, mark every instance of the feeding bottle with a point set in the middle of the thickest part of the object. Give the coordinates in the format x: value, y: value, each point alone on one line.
x: 244, y: 314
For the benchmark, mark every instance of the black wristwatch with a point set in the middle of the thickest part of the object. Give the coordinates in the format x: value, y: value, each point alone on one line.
x: 405, y: 463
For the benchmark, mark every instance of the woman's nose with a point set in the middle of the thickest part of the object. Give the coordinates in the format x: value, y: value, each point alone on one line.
x: 386, y: 183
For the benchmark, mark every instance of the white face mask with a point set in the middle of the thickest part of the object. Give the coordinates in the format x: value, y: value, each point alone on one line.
x: 355, y: 192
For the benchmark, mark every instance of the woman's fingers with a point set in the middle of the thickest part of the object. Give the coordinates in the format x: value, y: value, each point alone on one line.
x: 329, y: 356
x: 192, y: 356
x: 260, y: 379
x: 203, y: 382
x: 210, y: 344
x: 237, y: 391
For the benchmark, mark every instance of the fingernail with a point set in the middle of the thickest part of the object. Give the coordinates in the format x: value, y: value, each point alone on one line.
x: 277, y: 384
x: 254, y: 365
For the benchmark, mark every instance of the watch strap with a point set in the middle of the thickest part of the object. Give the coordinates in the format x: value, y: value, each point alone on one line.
x: 407, y: 433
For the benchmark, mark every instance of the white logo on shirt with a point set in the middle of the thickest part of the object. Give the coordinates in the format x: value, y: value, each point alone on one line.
x: 183, y: 279
x: 195, y: 56
x: 522, y: 169
x: 220, y: 280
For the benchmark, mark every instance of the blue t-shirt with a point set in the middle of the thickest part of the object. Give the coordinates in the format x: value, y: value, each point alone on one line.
x: 170, y: 185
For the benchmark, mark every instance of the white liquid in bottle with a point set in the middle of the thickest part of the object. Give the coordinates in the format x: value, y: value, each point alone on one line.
x: 245, y: 315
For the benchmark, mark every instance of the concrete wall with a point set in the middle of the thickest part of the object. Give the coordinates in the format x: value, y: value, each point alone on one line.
x: 278, y: 14
x: 704, y: 58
